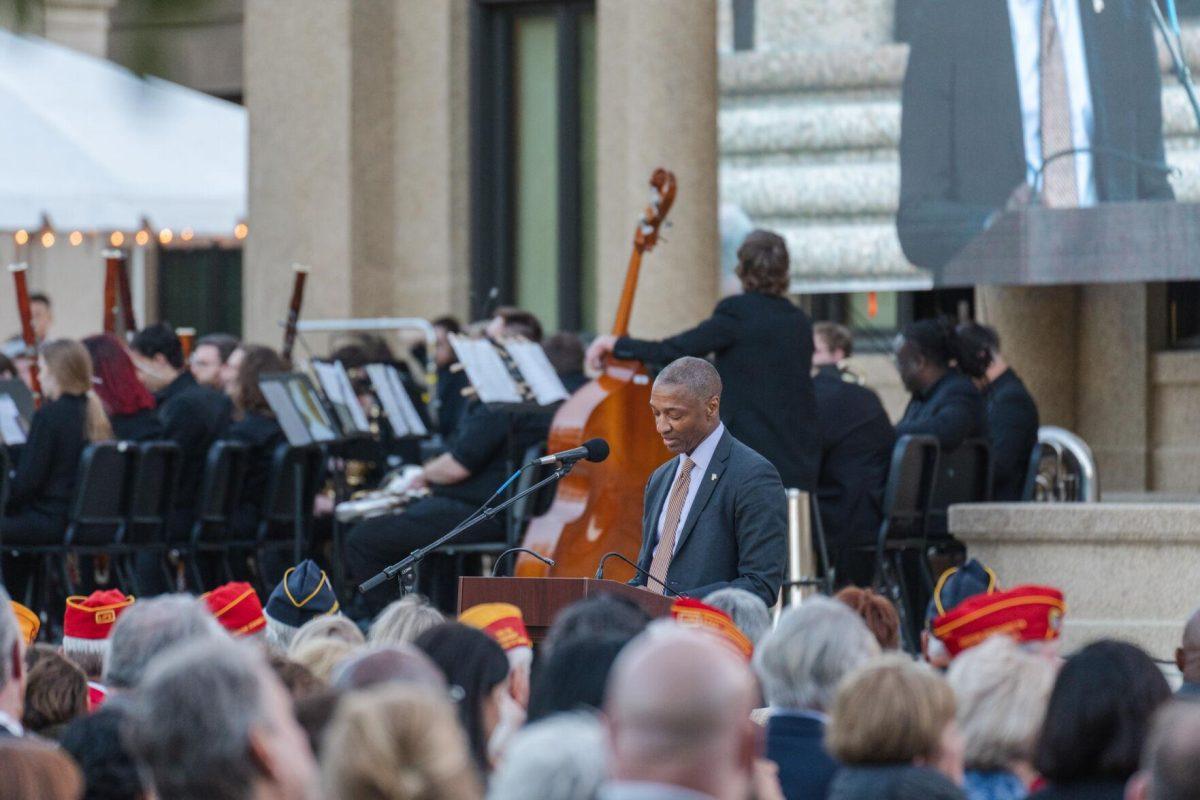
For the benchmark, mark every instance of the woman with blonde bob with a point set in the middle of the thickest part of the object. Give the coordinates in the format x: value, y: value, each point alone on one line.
x: 892, y: 728
x: 70, y: 418
x: 1002, y: 693
x: 397, y: 742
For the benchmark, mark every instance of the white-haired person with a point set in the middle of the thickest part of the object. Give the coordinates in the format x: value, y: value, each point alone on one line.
x: 1001, y: 691
x: 564, y: 755
x: 800, y: 665
x: 747, y: 610
x: 404, y: 620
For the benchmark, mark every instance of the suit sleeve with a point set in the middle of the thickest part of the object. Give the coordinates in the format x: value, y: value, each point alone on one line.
x: 711, y: 336
x: 1152, y: 185
x: 760, y: 523
x: 931, y: 223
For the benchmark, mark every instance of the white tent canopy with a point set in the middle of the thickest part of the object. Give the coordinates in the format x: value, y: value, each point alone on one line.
x: 90, y: 146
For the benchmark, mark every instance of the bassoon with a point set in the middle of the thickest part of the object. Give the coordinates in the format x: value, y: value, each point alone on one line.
x: 293, y: 317
x: 31, y: 344
x: 118, y: 298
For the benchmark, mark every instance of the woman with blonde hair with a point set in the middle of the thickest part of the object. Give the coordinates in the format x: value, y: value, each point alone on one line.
x: 397, y: 742
x: 70, y: 418
x: 404, y: 620
x: 893, y: 729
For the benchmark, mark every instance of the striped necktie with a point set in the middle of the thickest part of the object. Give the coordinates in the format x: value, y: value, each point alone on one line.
x: 670, y: 529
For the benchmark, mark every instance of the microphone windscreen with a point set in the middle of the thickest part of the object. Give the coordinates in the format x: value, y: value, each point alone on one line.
x: 597, y: 449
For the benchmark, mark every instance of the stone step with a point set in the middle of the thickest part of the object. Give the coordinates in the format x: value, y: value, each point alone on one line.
x: 840, y: 256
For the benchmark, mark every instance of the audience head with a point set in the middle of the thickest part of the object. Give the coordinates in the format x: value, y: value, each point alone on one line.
x: 257, y: 361
x: 303, y: 594
x: 211, y: 721
x: 1099, y: 714
x: 573, y: 676
x: 832, y: 344
x: 763, y: 264
x: 563, y: 755
x: 808, y: 654
x: 96, y: 742
x: 1001, y: 693
x: 87, y: 626
x: 508, y: 322
x: 893, y: 710
x: 955, y: 586
x: 117, y: 384
x: 56, y: 692
x: 322, y: 655
x: 401, y: 662
x: 747, y: 610
x: 686, y: 403
x: 399, y: 743
x: 236, y: 607
x: 298, y: 679
x: 12, y: 660
x: 924, y: 351
x: 336, y: 627
x: 1187, y: 656
x: 209, y: 356
x: 149, y: 628
x: 33, y: 770
x: 876, y: 611
x: 66, y: 369
x: 477, y: 666
x: 404, y: 620
x: 27, y: 622
x: 506, y: 625
x: 41, y: 314
x: 158, y: 355
x: 1170, y: 767
x: 604, y: 615
x: 678, y: 707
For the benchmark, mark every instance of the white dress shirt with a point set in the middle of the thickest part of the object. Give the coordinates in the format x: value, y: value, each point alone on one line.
x: 13, y: 726
x: 701, y: 457
x: 1026, y: 18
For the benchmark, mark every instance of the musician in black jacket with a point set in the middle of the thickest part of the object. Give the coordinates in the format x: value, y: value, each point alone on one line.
x: 1012, y: 414
x: 856, y: 449
x: 945, y: 403
x: 763, y: 348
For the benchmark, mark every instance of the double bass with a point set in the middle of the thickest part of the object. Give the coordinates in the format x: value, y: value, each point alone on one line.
x: 598, y: 507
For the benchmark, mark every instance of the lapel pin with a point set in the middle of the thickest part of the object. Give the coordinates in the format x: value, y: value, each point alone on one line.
x: 1098, y: 5
x: 713, y: 477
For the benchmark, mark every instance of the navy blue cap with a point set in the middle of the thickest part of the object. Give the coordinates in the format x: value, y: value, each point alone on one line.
x: 959, y: 583
x: 304, y: 593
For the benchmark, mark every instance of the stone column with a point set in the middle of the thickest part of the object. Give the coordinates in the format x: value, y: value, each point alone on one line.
x: 79, y: 24
x: 657, y: 106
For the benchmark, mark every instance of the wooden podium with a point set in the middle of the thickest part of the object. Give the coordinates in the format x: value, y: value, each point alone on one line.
x: 540, y: 599
x: 1107, y: 243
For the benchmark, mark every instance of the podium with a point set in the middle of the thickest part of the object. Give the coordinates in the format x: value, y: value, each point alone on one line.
x: 1108, y: 243
x: 540, y: 599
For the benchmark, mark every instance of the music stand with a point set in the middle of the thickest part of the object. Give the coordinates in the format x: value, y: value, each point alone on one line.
x: 335, y: 383
x: 298, y: 408
x: 538, y: 372
x: 397, y: 406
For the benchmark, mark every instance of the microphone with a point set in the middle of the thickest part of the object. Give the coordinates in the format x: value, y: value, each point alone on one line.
x: 496, y: 565
x: 591, y: 450
x: 600, y: 572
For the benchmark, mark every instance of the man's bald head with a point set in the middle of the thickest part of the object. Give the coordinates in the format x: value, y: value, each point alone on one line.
x: 678, y: 705
x: 686, y: 403
x: 1170, y: 767
x: 695, y: 375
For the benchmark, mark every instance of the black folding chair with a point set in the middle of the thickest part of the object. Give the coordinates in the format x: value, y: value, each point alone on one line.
x: 906, y: 501
x: 220, y: 491
x: 964, y: 476
x: 152, y: 490
x: 100, y: 506
x: 287, y: 511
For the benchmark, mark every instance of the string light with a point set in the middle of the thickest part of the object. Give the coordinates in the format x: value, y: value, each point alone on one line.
x: 142, y: 238
x: 76, y: 238
x: 240, y: 230
x: 116, y: 239
x: 165, y: 236
x: 47, y: 238
x: 21, y: 236
x: 186, y: 234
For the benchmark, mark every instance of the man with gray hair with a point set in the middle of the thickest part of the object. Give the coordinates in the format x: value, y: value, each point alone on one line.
x: 1170, y: 768
x: 210, y: 721
x: 715, y: 516
x: 12, y: 670
x: 748, y: 612
x: 678, y: 706
x: 563, y: 755
x: 148, y: 628
x: 800, y: 665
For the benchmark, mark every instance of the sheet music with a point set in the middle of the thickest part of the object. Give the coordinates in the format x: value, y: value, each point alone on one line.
x: 486, y: 370
x: 537, y: 371
x: 286, y: 414
x: 12, y: 428
x: 337, y: 387
x: 397, y: 405
x: 298, y: 409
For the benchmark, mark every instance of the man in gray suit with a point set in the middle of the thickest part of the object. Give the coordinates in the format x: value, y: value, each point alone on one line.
x: 716, y: 515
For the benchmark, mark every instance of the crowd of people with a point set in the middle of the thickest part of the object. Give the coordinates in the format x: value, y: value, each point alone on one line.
x: 223, y: 696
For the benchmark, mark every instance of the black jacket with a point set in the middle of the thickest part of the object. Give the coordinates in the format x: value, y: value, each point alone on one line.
x: 951, y: 409
x: 735, y: 533
x: 49, y: 463
x: 140, y: 426
x: 962, y: 144
x: 763, y: 347
x: 856, y: 448
x: 892, y: 782
x: 797, y: 745
x: 192, y: 416
x: 489, y: 442
x: 1012, y: 418
x: 262, y: 435
x: 1083, y: 790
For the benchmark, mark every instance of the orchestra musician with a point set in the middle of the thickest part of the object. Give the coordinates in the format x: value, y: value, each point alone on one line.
x: 763, y: 348
x: 945, y: 404
x: 41, y: 315
x: 129, y: 405
x: 450, y: 383
x: 479, y: 457
x: 856, y: 449
x: 716, y: 515
x: 209, y: 357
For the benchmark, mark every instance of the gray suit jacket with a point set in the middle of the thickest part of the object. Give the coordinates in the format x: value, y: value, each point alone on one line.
x: 735, y: 533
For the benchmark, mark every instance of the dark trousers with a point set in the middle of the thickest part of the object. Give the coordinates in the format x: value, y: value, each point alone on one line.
x: 377, y: 543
